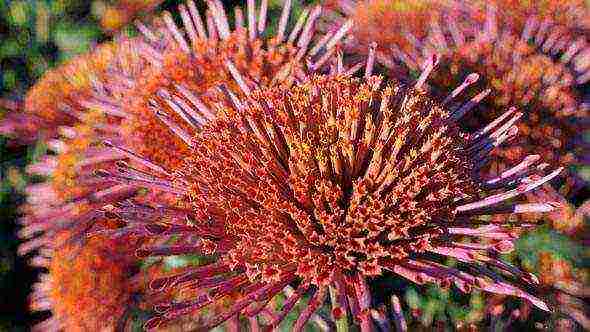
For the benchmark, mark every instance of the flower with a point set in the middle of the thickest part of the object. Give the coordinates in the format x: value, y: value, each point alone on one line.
x: 290, y: 183
x: 386, y: 22
x: 179, y: 84
x: 474, y: 39
x: 328, y: 183
x: 519, y: 77
x: 89, y: 287
x: 556, y: 28
x: 569, y: 220
x: 568, y: 285
x: 64, y: 93
x: 89, y: 113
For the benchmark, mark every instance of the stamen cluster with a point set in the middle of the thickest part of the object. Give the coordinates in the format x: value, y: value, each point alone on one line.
x: 333, y: 175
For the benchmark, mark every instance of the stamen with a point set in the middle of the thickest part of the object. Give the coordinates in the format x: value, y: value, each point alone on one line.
x: 482, y: 132
x: 471, y: 78
x: 196, y: 18
x: 491, y: 25
x: 239, y: 17
x: 175, y: 32
x: 468, y: 106
x: 165, y: 95
x: 196, y: 101
x: 211, y: 26
x: 298, y: 25
x: 314, y: 303
x: 283, y: 21
x: 288, y: 305
x: 137, y: 158
x: 398, y: 315
x: 510, y: 173
x: 104, y: 107
x: 146, y: 32
x: 370, y: 60
x: 188, y: 24
x: 307, y: 33
x: 235, y: 73
x: 181, y: 133
x: 495, y: 199
x: 220, y: 19
x: 262, y: 16
x: 251, y: 19
x: 430, y: 64
x: 340, y: 33
x: 355, y: 68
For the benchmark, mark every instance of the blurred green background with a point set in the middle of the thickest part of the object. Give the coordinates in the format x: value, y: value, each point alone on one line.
x: 36, y: 35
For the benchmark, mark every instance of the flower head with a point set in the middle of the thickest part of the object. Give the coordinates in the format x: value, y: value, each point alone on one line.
x: 469, y: 39
x: 520, y: 77
x: 556, y: 28
x: 63, y: 94
x: 88, y: 287
x: 331, y: 182
x: 289, y: 183
x: 387, y: 22
x: 179, y: 85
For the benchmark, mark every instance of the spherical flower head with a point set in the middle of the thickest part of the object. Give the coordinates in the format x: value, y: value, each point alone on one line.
x: 84, y: 111
x: 333, y: 181
x: 530, y: 67
x: 556, y: 28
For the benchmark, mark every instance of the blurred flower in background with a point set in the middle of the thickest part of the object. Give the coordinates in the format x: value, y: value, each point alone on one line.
x: 539, y: 67
x: 36, y: 36
x: 114, y: 15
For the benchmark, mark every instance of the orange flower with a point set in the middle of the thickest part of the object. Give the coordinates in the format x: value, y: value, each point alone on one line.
x: 540, y: 78
x: 192, y: 67
x: 88, y: 287
x: 93, y: 110
x: 339, y: 181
